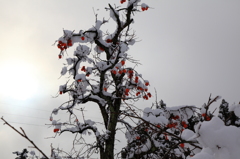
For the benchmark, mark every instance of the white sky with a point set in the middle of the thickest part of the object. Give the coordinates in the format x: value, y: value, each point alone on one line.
x: 188, y: 49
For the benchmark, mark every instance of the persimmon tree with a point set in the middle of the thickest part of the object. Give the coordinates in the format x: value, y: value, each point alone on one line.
x: 99, y: 74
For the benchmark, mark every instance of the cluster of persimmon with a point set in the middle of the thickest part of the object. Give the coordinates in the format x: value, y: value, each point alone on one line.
x: 127, y: 91
x: 130, y: 74
x: 136, y: 79
x: 109, y: 40
x: 100, y: 48
x: 119, y: 71
x: 56, y: 130
x: 175, y: 117
x: 181, y: 145
x: 122, y: 71
x: 84, y: 70
x: 146, y: 83
x: 184, y: 124
x: 147, y: 96
x: 206, y: 117
x: 138, y: 137
x: 140, y: 90
x: 144, y: 8
x: 174, y: 124
x: 122, y: 1
x: 63, y: 46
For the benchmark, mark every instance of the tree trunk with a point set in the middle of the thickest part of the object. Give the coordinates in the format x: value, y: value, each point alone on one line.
x: 110, y: 142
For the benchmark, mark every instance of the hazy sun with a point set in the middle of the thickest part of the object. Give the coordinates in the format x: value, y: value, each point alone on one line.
x: 17, y: 81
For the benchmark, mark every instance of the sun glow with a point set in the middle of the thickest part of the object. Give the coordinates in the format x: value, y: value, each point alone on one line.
x: 17, y: 81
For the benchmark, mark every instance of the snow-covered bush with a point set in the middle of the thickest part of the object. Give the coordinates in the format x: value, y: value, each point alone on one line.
x: 21, y: 155
x: 185, y: 132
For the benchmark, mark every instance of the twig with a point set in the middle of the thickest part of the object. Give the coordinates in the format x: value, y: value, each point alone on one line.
x: 25, y: 136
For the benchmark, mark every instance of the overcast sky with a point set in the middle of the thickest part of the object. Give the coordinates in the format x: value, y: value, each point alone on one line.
x: 188, y: 49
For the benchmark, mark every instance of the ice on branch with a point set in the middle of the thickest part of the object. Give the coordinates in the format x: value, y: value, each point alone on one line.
x: 55, y: 111
x: 114, y: 14
x: 64, y: 71
x: 131, y: 42
x: 70, y: 61
x: 102, y: 65
x: 62, y: 89
x: 80, y: 77
x: 123, y: 47
x: 133, y: 2
x: 67, y: 34
x: 82, y: 51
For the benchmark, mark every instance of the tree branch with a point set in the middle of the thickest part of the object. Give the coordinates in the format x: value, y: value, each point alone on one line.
x: 25, y: 136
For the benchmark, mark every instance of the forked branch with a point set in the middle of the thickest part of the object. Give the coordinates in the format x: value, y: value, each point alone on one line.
x: 23, y: 134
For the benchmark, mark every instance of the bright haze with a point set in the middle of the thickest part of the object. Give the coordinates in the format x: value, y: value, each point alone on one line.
x: 188, y: 49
